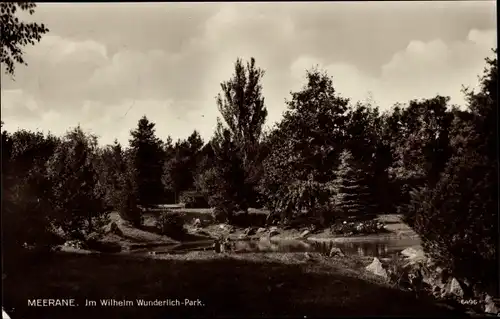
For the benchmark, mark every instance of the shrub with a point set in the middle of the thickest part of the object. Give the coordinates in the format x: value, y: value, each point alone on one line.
x: 170, y: 224
x: 193, y: 199
x: 306, y: 198
x: 358, y: 228
x: 457, y: 220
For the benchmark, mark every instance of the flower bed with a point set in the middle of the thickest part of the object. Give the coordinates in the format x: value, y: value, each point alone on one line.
x: 350, y: 228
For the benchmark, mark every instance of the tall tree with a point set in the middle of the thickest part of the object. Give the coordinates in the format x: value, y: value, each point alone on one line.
x: 227, y: 180
x: 111, y: 164
x: 14, y: 34
x: 177, y: 175
x: 243, y: 110
x: 148, y: 157
x: 242, y: 106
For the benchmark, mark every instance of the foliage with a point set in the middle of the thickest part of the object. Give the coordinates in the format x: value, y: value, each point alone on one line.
x: 242, y: 106
x: 78, y: 197
x: 111, y: 165
x: 352, y: 197
x: 170, y: 224
x: 349, y: 228
x: 227, y: 184
x: 422, y: 147
x: 306, y: 142
x: 193, y: 199
x: 179, y: 170
x: 128, y: 192
x: 148, y: 156
x: 243, y: 110
x: 14, y: 34
x: 457, y: 217
x: 306, y: 197
x: 26, y: 211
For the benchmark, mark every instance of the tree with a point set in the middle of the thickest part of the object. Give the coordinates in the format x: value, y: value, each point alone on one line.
x: 148, y: 156
x: 14, y: 34
x: 78, y: 197
x: 111, y: 164
x: 228, y: 180
x: 353, y: 196
x: 179, y: 170
x: 127, y: 192
x: 422, y: 147
x: 457, y: 216
x: 243, y: 110
x: 26, y: 212
x: 307, y: 142
x: 242, y: 106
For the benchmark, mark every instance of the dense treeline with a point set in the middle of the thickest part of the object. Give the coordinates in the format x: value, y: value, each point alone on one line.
x: 327, y: 158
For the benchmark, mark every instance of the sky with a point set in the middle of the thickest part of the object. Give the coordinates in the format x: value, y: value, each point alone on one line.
x: 104, y: 65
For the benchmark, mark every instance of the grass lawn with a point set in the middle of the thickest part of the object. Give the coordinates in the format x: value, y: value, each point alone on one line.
x: 247, y: 285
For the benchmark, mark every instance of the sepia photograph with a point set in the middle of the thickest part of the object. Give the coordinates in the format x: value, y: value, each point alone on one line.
x: 249, y: 159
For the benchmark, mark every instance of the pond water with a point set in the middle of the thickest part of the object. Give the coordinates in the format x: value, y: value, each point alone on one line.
x: 381, y: 248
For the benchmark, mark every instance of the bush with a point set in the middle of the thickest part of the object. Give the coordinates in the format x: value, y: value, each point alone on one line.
x: 349, y: 228
x: 193, y: 199
x: 170, y: 224
x: 457, y: 220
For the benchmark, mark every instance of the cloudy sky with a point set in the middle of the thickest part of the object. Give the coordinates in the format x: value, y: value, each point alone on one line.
x: 104, y: 65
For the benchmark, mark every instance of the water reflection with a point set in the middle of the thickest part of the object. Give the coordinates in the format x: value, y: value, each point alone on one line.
x: 379, y: 248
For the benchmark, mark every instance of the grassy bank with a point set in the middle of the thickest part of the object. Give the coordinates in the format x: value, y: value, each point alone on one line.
x: 255, y: 285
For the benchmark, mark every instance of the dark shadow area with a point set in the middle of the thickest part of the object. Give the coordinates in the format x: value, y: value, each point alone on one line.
x: 175, y: 236
x: 104, y: 247
x: 249, y: 220
x: 227, y: 288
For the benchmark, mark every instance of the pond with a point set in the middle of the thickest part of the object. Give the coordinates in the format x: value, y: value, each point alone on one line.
x: 381, y: 248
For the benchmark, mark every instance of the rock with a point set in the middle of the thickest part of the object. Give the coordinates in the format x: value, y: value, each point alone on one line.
x: 197, y: 222
x: 242, y: 236
x: 273, y: 228
x: 377, y: 268
x: 261, y: 230
x: 76, y: 244
x: 250, y: 231
x: 273, y: 232
x: 489, y: 305
x: 202, y: 232
x: 222, y: 226
x: 414, y: 256
x: 305, y: 233
x: 452, y: 289
x: 335, y: 251
x: 5, y: 315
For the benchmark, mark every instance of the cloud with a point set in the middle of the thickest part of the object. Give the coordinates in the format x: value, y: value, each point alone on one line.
x: 421, y: 70
x: 100, y: 62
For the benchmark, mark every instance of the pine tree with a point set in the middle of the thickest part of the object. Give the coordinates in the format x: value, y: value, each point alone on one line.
x: 148, y: 157
x: 353, y: 195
